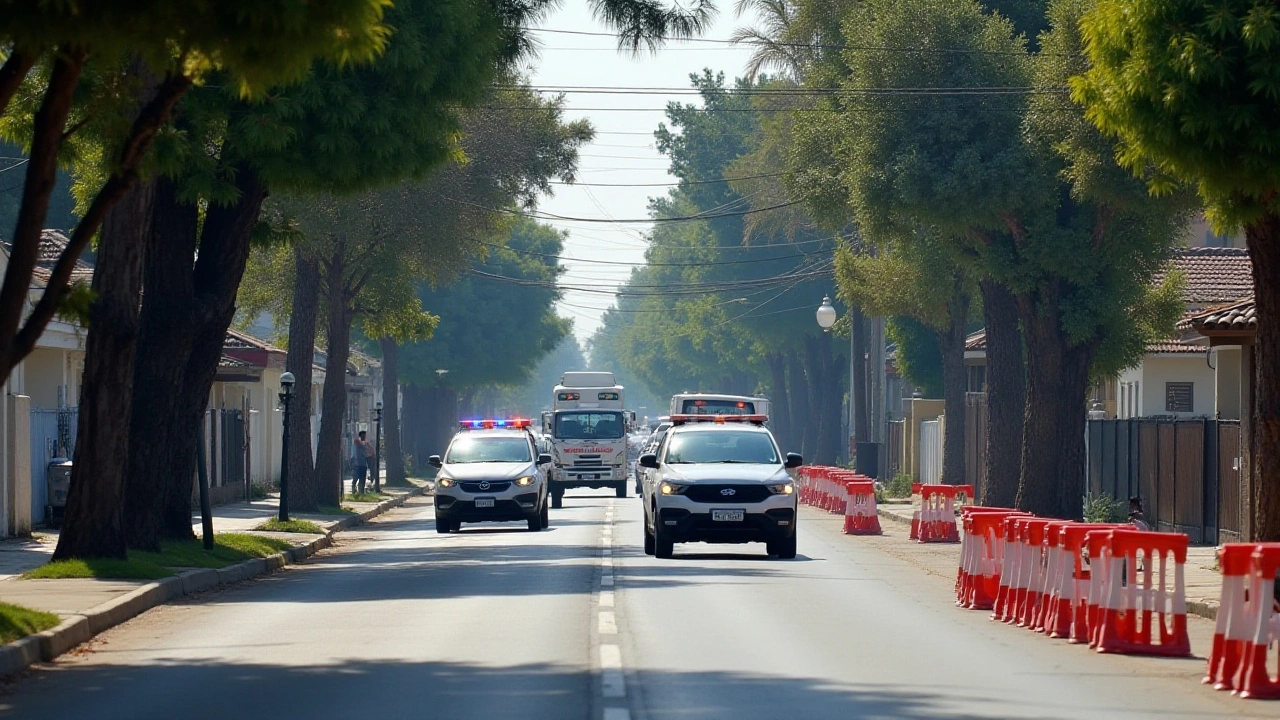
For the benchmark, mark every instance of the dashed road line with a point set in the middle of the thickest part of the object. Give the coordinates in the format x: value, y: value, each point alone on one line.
x: 607, y: 623
x: 613, y: 683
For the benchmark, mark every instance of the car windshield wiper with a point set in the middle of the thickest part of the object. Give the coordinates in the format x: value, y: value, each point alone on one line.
x: 737, y: 462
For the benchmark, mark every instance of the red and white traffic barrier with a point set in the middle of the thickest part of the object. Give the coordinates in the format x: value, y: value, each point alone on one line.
x: 1257, y: 680
x: 861, y: 516
x: 982, y: 551
x: 1231, y: 630
x: 1141, y: 588
x: 938, y: 512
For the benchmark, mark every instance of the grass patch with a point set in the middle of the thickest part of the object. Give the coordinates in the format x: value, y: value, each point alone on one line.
x: 293, y: 526
x: 369, y: 497
x: 334, y: 510
x: 17, y: 622
x: 106, y: 569
x: 228, y: 549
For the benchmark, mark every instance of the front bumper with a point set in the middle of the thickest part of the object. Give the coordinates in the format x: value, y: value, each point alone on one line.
x: 565, y: 478
x: 686, y: 521
x: 507, y: 506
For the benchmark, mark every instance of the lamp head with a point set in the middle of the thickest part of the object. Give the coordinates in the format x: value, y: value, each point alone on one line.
x: 826, y: 314
x: 286, y: 381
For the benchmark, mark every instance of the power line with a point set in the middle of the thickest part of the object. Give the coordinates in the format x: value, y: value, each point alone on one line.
x: 552, y: 216
x: 660, y: 264
x: 821, y: 92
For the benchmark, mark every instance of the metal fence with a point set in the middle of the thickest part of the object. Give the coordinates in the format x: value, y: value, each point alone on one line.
x: 930, y: 451
x: 894, y: 436
x: 53, y: 435
x: 975, y: 438
x: 1185, y: 471
x: 225, y: 453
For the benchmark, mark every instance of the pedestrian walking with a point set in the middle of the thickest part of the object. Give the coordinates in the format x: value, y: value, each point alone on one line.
x: 364, y: 456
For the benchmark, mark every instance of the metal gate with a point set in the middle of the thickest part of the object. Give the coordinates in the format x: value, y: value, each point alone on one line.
x: 53, y: 435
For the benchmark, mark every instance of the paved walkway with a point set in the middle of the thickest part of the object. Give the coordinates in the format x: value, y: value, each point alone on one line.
x: 1203, y: 581
x: 75, y: 595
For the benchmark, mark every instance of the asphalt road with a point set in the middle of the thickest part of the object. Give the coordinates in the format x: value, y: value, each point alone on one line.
x: 576, y: 622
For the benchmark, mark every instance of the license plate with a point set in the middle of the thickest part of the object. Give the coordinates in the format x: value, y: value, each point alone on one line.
x: 728, y: 515
x: 484, y: 502
x: 592, y: 477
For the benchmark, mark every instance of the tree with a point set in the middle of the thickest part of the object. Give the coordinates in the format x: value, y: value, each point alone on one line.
x: 1189, y: 91
x: 169, y: 47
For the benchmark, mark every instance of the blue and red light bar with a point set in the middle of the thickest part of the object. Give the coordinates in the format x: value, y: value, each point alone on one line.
x: 516, y: 423
x: 719, y: 419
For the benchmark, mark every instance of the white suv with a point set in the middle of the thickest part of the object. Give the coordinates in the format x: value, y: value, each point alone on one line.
x: 719, y: 479
x: 492, y: 472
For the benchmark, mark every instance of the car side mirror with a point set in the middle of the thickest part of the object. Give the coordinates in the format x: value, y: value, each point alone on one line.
x: 793, y: 461
x: 649, y: 460
x: 544, y: 459
x: 434, y: 461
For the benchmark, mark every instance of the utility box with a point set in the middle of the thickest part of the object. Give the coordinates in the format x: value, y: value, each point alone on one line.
x: 58, y: 479
x: 867, y: 461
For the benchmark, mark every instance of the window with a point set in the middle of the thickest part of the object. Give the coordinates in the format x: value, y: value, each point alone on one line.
x: 721, y: 446
x: 1178, y: 397
x: 489, y: 449
x: 589, y: 425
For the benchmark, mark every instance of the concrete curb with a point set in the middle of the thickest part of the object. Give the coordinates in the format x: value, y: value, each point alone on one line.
x: 79, y: 628
x: 1199, y: 608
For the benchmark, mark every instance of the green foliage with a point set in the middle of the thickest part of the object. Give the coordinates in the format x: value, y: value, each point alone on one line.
x: 1104, y: 509
x: 290, y: 526
x: 62, y: 205
x: 228, y: 549
x: 366, y: 497
x: 1191, y: 91
x: 103, y: 569
x: 919, y: 357
x: 899, y: 486
x: 509, y: 294
x: 17, y: 622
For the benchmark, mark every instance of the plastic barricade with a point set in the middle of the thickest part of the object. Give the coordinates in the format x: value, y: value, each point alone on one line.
x: 982, y: 550
x: 1055, y: 560
x: 1002, y: 609
x: 1030, y: 570
x: 841, y: 480
x: 938, y: 512
x: 1231, y: 630
x: 1068, y: 602
x: 861, y: 516
x: 1137, y: 592
x: 1257, y: 680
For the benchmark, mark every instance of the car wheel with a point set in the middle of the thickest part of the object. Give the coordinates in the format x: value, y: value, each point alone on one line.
x: 535, y: 522
x: 663, y: 546
x: 545, y: 516
x: 784, y: 549
x: 557, y: 500
x: 621, y: 489
x: 649, y: 544
x: 442, y: 525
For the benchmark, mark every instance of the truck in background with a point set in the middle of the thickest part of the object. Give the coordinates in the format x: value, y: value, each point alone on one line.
x: 716, y: 404
x: 587, y: 427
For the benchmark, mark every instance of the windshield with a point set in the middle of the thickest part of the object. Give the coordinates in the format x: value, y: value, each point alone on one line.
x: 718, y: 407
x: 589, y: 425
x: 722, y: 446
x: 488, y: 449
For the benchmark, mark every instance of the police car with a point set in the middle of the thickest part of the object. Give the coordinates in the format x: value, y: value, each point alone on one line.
x: 719, y: 479
x: 491, y: 472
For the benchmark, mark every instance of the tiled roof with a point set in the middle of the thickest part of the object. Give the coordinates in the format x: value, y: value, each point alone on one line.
x: 1240, y: 315
x: 976, y: 341
x: 1213, y: 274
x: 242, y: 341
x: 227, y: 362
x: 1174, y: 347
x: 52, y: 245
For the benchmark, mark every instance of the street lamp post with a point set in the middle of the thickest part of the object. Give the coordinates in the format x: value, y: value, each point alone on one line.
x: 286, y: 395
x: 377, y: 446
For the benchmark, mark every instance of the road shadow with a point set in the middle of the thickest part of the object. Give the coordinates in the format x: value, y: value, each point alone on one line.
x: 360, y: 689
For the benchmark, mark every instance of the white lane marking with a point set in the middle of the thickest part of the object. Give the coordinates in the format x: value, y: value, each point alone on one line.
x: 606, y: 598
x: 616, y: 713
x: 606, y: 541
x: 608, y: 623
x: 613, y: 685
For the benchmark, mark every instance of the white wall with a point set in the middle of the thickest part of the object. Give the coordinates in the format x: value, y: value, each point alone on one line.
x: 1142, y: 389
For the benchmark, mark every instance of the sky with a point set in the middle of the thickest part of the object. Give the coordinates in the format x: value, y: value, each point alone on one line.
x: 624, y: 151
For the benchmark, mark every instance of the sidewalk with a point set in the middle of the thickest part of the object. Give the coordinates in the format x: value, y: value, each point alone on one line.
x: 89, y: 606
x: 1203, y: 582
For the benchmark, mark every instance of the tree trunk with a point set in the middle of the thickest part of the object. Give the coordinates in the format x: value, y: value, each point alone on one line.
x: 954, y: 384
x: 416, y: 421
x: 799, y: 395
x: 391, y: 411
x: 332, y: 448
x: 828, y: 407
x: 813, y: 416
x: 1052, y: 477
x: 861, y: 429
x: 94, y: 523
x: 1263, y: 239
x: 302, y: 342
x: 781, y: 415
x: 164, y: 345
x: 1006, y: 396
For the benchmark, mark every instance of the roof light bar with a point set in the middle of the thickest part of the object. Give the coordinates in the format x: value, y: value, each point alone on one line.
x: 719, y: 419
x: 517, y: 423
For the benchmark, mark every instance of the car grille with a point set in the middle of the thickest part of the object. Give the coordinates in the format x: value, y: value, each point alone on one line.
x: 495, y: 486
x: 709, y: 493
x: 587, y: 464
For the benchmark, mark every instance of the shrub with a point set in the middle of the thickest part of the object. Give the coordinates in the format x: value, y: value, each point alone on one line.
x: 1105, y: 509
x: 899, y: 486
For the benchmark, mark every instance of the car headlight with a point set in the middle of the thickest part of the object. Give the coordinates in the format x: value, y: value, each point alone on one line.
x: 444, y: 482
x: 668, y: 488
x: 525, y: 481
x: 785, y: 488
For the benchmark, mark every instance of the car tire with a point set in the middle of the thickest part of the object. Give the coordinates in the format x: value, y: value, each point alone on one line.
x: 621, y: 489
x: 784, y: 549
x: 650, y: 547
x: 544, y: 516
x: 663, y: 546
x: 557, y: 499
x: 443, y: 526
x: 534, y: 522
